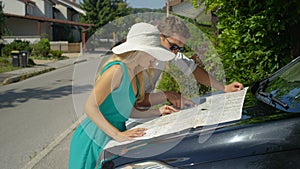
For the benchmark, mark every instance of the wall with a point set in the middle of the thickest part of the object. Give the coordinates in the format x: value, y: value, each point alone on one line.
x: 31, y: 39
x: 65, y: 47
x: 14, y: 7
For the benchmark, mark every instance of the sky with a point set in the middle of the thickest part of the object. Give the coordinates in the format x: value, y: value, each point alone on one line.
x: 153, y: 4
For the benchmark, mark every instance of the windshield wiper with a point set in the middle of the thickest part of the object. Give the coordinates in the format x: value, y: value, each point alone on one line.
x: 263, y: 84
x: 273, y: 99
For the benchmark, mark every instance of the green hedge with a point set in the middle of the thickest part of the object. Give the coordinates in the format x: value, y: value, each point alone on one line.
x: 254, y: 37
x: 16, y: 45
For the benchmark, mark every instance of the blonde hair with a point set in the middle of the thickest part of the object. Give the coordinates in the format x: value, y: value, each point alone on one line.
x: 129, y: 57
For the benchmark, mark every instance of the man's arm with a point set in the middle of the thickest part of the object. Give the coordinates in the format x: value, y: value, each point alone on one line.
x: 204, y: 78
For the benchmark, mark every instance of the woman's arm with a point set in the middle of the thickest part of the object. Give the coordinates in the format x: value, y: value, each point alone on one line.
x: 110, y: 80
x: 153, y: 99
x: 162, y: 97
x: 161, y: 111
x: 144, y: 113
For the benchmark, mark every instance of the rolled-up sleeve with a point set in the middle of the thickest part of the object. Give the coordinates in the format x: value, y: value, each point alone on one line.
x: 185, y: 64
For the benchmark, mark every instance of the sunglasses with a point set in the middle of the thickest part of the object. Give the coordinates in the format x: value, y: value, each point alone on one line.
x: 174, y: 46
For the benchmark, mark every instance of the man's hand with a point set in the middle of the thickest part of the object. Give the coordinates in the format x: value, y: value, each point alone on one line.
x: 178, y: 101
x: 165, y: 110
x: 232, y: 87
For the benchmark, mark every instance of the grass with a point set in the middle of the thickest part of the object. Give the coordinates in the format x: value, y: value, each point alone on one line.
x: 60, y: 57
x: 8, y: 68
x: 41, y: 58
x: 6, y: 63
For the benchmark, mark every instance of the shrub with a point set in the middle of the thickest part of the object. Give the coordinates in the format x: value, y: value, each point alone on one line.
x: 42, y: 48
x: 31, y: 62
x: 4, y: 61
x: 56, y: 53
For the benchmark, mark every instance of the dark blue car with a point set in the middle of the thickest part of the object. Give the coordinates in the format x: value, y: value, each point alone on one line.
x: 267, y: 135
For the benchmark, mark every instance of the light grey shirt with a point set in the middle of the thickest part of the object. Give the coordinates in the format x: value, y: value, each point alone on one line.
x: 184, y: 64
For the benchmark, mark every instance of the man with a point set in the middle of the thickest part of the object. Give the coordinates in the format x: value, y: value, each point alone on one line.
x: 174, y: 35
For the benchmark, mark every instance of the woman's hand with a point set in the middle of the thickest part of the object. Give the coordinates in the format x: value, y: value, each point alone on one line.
x: 130, y: 134
x: 165, y: 110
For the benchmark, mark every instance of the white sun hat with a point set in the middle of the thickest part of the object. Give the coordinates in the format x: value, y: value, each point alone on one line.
x: 144, y: 37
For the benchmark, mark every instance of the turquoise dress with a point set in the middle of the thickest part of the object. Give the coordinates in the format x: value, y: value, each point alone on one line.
x: 88, y: 140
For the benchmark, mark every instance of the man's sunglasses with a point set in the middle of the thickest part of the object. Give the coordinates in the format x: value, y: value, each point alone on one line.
x: 174, y: 46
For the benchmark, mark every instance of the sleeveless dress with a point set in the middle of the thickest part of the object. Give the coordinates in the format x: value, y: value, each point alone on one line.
x: 88, y: 140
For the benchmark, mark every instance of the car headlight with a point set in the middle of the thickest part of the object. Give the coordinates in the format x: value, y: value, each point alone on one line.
x: 147, y: 165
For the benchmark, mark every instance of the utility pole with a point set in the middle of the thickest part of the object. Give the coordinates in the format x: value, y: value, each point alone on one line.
x: 167, y: 7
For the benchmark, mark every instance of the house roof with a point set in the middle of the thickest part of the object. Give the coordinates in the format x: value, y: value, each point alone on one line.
x: 67, y: 3
x: 186, y: 9
x: 27, y: 1
x: 72, y: 5
x: 43, y: 19
x: 53, y: 1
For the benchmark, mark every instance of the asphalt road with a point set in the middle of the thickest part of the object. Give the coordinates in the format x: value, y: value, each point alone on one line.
x: 34, y: 112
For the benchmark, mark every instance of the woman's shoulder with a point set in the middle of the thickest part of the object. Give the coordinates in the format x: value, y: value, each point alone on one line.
x: 113, y: 66
x: 113, y: 71
x: 111, y: 77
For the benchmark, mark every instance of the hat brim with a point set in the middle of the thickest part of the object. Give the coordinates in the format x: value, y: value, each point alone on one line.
x: 160, y: 53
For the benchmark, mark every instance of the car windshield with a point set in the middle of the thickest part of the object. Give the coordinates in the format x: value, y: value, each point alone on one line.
x: 283, y: 90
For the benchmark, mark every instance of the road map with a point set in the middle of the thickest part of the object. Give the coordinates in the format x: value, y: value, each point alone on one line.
x: 215, y: 109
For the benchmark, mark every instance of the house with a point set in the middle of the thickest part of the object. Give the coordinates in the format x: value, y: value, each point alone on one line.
x: 186, y: 9
x: 31, y: 20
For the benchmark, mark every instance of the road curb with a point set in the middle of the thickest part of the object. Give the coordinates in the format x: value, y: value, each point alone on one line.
x: 27, y: 75
x: 50, y: 67
x: 79, y: 61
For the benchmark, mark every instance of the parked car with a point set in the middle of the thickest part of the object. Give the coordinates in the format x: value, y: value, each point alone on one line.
x: 267, y: 135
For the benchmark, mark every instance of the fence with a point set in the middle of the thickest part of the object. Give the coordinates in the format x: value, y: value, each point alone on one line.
x: 66, y: 47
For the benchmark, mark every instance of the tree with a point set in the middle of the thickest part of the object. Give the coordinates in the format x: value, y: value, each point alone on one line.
x: 255, y: 37
x: 101, y: 12
x: 2, y: 22
x: 2, y: 17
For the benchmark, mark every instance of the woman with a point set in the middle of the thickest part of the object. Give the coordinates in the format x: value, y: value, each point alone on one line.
x: 119, y: 86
